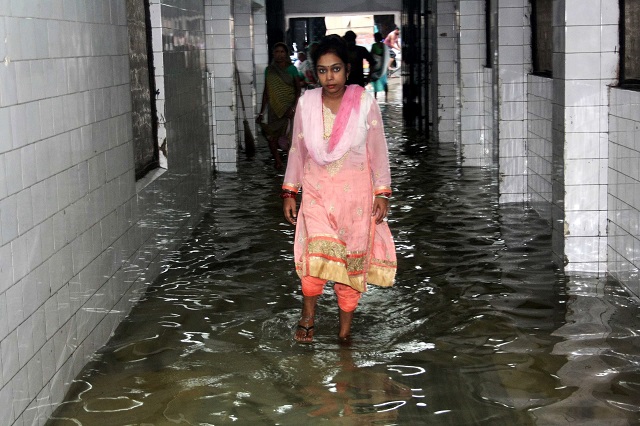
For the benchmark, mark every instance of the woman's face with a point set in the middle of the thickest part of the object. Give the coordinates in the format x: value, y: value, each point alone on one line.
x: 279, y: 54
x: 332, y: 73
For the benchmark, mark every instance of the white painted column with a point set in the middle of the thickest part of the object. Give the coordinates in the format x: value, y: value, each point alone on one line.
x: 514, y: 64
x: 471, y: 80
x: 243, y: 19
x: 584, y: 69
x: 447, y: 58
x: 219, y: 29
x: 260, y: 49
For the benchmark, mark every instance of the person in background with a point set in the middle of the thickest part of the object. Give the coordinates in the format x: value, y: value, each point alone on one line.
x: 378, y: 76
x: 339, y: 159
x: 356, y: 55
x: 302, y: 57
x: 393, y: 42
x: 281, y: 93
x: 307, y: 74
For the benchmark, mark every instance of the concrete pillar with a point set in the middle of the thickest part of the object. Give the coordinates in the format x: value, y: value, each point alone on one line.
x: 219, y: 30
x: 447, y: 57
x: 584, y: 65
x: 514, y: 64
x: 475, y: 146
x: 243, y: 42
x: 260, y: 49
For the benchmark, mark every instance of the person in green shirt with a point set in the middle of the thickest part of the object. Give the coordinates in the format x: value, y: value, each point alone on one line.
x: 280, y: 96
x: 380, y: 53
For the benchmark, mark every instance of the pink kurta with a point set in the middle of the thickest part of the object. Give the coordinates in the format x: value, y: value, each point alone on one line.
x: 336, y: 237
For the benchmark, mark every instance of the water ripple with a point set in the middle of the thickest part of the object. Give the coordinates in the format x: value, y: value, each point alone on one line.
x: 480, y: 328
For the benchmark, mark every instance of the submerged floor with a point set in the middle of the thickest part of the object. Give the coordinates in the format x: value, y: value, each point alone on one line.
x: 480, y: 328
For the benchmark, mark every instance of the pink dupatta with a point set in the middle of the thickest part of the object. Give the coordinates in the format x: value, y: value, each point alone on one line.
x: 339, y: 142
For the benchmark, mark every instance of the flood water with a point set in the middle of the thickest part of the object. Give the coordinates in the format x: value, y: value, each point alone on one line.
x: 480, y: 328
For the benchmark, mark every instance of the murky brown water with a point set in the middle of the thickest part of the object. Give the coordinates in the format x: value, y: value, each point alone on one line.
x: 480, y: 329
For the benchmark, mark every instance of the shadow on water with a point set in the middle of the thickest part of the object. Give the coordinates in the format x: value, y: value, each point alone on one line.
x: 480, y: 329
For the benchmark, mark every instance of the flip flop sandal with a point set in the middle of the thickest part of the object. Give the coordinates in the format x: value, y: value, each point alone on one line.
x: 307, y: 330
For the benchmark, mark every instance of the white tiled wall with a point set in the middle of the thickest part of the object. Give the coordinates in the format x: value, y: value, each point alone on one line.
x: 219, y: 27
x: 447, y: 70
x: 260, y: 50
x: 554, y: 134
x: 488, y: 108
x: 475, y: 146
x: 539, y: 144
x: 244, y: 55
x: 557, y: 135
x: 79, y: 240
x: 583, y: 71
x: 514, y: 63
x: 624, y: 186
x: 489, y: 97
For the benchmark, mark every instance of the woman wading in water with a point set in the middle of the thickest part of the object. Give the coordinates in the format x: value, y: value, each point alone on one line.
x: 339, y: 159
x: 281, y: 92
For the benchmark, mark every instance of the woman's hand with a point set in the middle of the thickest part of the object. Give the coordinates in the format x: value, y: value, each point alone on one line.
x: 259, y: 118
x: 290, y: 210
x: 380, y: 209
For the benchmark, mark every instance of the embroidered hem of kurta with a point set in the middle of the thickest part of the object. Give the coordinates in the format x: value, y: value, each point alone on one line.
x: 327, y: 258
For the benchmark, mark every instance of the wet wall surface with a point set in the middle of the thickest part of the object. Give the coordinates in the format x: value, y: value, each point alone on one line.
x: 480, y: 328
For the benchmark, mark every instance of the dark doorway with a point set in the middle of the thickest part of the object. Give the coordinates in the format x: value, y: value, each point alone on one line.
x: 415, y: 60
x: 304, y: 31
x: 275, y: 23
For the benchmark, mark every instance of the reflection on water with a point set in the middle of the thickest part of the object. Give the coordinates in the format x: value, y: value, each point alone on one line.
x: 480, y: 329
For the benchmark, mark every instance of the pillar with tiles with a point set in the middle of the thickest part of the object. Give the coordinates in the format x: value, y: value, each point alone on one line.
x: 585, y: 64
x: 219, y: 30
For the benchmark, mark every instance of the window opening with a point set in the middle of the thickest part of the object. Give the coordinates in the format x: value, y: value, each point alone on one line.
x: 542, y: 37
x: 143, y: 93
x: 488, y: 25
x: 630, y: 44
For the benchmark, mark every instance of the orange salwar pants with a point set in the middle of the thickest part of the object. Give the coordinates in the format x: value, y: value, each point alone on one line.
x: 347, y: 297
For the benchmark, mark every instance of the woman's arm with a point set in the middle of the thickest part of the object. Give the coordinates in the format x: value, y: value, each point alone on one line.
x: 295, y: 169
x: 297, y: 154
x: 265, y: 100
x: 379, y: 162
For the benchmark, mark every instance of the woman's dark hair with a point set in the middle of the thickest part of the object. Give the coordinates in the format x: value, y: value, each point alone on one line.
x: 377, y: 37
x: 331, y: 44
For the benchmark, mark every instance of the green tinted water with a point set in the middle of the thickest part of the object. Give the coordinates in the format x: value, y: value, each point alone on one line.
x: 480, y: 328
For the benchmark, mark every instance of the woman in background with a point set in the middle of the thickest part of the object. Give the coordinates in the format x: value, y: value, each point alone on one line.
x: 280, y: 95
x: 378, y: 76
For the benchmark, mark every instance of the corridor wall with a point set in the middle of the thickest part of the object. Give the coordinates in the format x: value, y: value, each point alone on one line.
x: 482, y: 95
x: 80, y: 239
x: 448, y: 107
x: 539, y: 144
x: 623, y: 216
x: 566, y: 145
x: 475, y: 145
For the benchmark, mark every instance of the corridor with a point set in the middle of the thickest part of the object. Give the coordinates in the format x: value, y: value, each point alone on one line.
x: 480, y: 327
x: 122, y: 180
